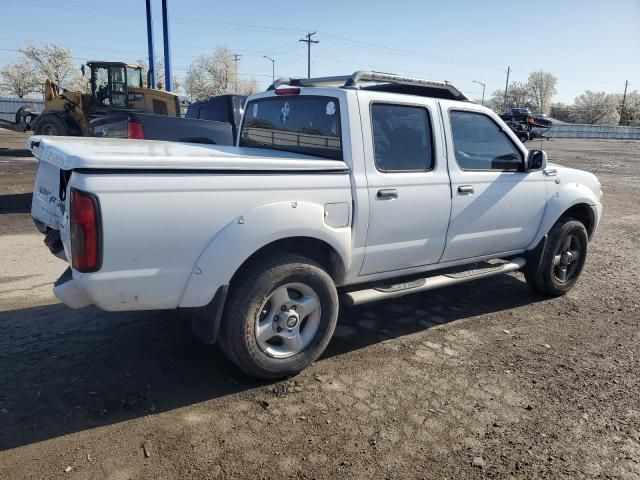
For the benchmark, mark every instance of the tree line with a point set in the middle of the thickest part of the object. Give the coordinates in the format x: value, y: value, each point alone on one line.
x: 208, y: 75
x: 216, y: 73
x: 589, y: 107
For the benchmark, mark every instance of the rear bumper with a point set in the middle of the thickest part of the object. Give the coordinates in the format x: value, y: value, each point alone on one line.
x: 67, y: 290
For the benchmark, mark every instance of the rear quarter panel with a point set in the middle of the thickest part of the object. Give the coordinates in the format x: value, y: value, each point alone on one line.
x: 172, y: 239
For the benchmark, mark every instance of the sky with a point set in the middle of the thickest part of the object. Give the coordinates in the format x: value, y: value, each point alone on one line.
x: 586, y: 44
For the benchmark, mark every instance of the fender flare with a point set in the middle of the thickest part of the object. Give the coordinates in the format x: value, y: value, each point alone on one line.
x: 253, y: 230
x: 570, y: 195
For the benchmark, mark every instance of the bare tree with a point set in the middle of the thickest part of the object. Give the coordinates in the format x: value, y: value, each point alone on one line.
x: 19, y: 78
x: 596, y: 107
x: 159, y: 73
x: 215, y: 74
x: 55, y: 63
x: 248, y: 86
x: 542, y: 88
x: 562, y: 112
x: 517, y: 96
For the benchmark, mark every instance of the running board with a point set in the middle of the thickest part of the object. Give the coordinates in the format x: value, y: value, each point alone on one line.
x: 384, y: 292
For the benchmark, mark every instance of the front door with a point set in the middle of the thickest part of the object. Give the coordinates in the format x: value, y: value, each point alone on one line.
x: 497, y: 207
x: 408, y: 186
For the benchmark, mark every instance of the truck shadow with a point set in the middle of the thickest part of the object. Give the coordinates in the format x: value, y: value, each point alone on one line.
x: 66, y: 371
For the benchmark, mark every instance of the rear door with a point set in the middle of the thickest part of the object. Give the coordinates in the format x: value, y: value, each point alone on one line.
x: 497, y: 207
x: 408, y: 186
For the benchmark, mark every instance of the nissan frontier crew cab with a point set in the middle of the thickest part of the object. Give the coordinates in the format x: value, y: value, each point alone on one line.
x: 363, y: 187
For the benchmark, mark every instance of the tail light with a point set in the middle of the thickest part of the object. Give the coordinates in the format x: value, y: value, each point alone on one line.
x: 86, y: 235
x: 288, y: 91
x: 135, y: 131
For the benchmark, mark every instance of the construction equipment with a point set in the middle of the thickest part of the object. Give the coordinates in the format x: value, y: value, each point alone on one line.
x: 115, y: 86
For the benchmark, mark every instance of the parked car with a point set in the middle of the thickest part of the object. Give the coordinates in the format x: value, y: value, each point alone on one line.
x: 213, y: 121
x: 516, y: 113
x: 369, y: 186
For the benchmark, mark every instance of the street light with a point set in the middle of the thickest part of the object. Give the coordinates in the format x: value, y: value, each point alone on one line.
x: 273, y: 68
x: 483, y: 85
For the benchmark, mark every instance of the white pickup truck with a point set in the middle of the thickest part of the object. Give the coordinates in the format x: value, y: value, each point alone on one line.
x: 365, y: 187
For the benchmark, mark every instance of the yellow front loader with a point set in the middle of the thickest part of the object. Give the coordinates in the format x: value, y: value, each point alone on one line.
x: 115, y: 86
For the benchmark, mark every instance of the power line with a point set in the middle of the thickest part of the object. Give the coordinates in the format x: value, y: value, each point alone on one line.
x: 308, y: 41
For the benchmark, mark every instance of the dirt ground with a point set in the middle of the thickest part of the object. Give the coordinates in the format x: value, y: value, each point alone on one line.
x: 483, y: 380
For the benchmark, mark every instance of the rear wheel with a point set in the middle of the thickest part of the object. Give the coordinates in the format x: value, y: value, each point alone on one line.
x: 280, y: 316
x: 562, y: 259
x: 50, y: 125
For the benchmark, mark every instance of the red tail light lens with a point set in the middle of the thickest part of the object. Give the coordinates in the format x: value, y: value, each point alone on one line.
x: 86, y: 238
x: 135, y: 131
x: 288, y: 91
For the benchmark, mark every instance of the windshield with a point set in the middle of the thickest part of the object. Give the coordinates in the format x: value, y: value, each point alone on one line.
x: 302, y: 124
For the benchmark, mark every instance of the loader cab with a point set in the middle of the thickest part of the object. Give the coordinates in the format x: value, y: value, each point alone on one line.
x: 110, y: 83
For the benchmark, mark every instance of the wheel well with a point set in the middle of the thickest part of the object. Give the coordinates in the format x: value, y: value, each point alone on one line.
x: 583, y: 213
x: 317, y: 250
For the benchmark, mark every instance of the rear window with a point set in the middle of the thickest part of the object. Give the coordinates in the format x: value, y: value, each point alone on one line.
x: 302, y: 124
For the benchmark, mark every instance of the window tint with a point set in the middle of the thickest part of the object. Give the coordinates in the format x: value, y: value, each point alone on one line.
x: 480, y: 144
x: 295, y: 123
x: 402, y: 138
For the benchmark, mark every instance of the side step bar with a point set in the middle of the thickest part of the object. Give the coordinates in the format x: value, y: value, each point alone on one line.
x: 384, y: 292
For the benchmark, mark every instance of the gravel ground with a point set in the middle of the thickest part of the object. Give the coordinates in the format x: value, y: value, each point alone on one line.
x: 483, y: 380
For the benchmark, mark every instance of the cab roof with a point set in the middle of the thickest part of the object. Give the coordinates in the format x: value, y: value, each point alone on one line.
x: 117, y: 64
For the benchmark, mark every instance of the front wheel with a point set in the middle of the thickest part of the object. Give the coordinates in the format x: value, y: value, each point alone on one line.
x: 280, y: 316
x: 562, y: 259
x: 50, y: 125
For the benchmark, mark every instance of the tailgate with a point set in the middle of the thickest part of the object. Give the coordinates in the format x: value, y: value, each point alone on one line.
x: 49, y: 190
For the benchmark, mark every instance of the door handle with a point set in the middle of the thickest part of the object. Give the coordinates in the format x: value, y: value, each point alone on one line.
x: 387, y: 194
x: 468, y: 189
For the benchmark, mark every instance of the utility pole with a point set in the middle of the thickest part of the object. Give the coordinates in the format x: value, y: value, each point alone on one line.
x: 624, y: 99
x: 151, y: 80
x: 168, y: 81
x: 308, y: 41
x: 273, y: 68
x: 483, y: 86
x: 506, y: 86
x: 236, y: 59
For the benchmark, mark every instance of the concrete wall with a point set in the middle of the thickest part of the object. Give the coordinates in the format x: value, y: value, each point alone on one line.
x: 571, y: 130
x: 9, y: 106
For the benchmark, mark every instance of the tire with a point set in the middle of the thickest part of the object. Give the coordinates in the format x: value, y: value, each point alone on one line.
x: 558, y: 271
x: 279, y: 293
x: 50, y: 125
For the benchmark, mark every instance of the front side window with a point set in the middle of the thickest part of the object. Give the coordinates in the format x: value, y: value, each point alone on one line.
x: 402, y: 138
x: 134, y: 77
x: 480, y: 144
x: 302, y: 124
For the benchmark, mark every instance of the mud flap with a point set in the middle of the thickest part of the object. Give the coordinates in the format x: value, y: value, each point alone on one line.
x: 205, y: 321
x: 534, y: 257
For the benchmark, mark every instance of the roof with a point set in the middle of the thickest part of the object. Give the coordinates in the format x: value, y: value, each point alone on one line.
x: 123, y: 64
x: 383, y: 82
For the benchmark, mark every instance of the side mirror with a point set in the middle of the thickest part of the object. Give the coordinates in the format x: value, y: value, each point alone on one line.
x: 536, y: 160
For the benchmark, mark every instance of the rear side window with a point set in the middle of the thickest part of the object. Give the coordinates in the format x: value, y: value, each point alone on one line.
x: 302, y: 124
x: 480, y: 144
x: 402, y: 138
